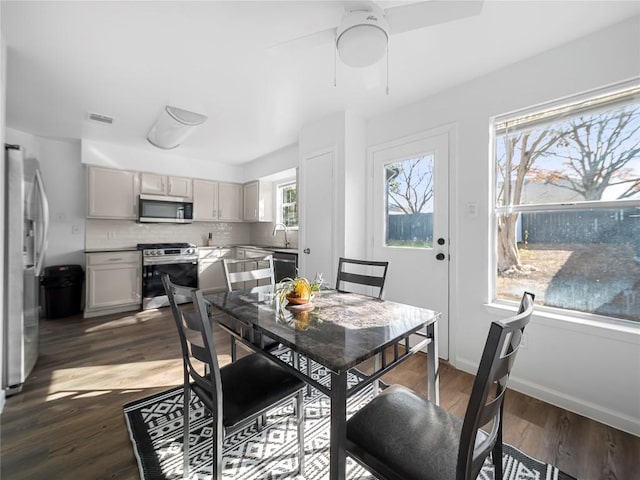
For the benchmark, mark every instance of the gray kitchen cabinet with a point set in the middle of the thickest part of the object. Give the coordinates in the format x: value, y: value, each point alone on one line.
x: 211, y: 276
x: 258, y: 201
x: 112, y: 194
x: 248, y: 253
x: 113, y: 282
x: 217, y: 201
x: 155, y: 184
x: 205, y: 201
x: 229, y: 202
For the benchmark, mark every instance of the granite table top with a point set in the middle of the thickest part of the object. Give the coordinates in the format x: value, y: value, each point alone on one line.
x: 339, y: 330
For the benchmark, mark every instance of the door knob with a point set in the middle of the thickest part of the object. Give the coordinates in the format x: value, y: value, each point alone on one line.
x: 307, y: 251
x: 441, y: 241
x: 440, y: 256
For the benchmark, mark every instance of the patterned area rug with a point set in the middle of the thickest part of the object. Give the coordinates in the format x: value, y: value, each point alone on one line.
x: 155, y: 427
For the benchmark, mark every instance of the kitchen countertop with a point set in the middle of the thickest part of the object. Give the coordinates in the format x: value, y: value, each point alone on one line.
x: 271, y: 248
x: 110, y: 249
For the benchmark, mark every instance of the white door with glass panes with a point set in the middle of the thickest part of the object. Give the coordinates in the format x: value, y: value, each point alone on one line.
x: 410, y: 223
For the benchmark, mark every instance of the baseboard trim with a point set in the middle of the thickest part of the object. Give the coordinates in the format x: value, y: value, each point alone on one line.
x: 587, y: 409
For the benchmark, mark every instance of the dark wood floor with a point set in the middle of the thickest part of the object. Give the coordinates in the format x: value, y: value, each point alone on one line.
x: 68, y: 422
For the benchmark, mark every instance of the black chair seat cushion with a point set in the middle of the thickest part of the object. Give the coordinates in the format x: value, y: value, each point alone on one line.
x: 250, y: 385
x: 421, y: 439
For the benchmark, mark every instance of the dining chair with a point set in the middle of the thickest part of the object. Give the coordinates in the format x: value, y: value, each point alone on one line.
x: 363, y: 273
x: 236, y: 394
x: 367, y: 273
x: 400, y: 435
x: 237, y: 271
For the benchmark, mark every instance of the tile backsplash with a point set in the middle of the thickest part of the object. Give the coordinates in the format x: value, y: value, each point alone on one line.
x: 123, y: 233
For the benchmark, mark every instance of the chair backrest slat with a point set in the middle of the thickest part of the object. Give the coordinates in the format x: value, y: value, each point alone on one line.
x: 192, y: 321
x: 369, y: 273
x: 248, y: 269
x: 487, y: 396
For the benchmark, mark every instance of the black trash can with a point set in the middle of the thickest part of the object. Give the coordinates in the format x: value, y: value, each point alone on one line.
x: 62, y: 290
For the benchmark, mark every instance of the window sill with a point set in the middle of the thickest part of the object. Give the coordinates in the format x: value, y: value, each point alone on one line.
x: 620, y: 330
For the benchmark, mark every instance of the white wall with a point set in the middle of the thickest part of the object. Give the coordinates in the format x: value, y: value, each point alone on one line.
x: 275, y: 162
x: 122, y: 157
x: 589, y: 369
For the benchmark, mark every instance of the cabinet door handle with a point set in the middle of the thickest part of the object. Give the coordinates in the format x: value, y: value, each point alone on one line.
x: 117, y: 259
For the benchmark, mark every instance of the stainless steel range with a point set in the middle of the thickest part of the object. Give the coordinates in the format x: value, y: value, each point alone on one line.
x: 178, y: 260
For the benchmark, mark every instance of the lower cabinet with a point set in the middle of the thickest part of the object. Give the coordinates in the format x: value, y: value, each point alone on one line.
x: 211, y: 276
x: 113, y: 282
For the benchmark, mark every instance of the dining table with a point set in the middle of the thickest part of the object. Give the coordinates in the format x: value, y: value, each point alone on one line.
x: 339, y: 331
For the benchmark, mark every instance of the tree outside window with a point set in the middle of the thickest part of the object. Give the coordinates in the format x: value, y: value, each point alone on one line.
x: 409, y: 204
x: 568, y: 205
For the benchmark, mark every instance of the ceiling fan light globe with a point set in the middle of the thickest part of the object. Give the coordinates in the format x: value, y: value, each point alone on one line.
x: 361, y: 38
x: 362, y: 45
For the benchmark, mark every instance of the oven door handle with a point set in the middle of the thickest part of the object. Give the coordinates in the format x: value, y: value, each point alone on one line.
x: 167, y: 261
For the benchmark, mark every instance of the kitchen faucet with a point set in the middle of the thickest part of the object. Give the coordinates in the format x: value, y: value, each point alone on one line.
x: 284, y: 227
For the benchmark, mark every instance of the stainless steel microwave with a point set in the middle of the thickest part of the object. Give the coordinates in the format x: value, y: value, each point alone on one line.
x: 162, y: 209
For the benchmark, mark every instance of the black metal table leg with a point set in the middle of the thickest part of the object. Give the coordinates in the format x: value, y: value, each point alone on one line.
x: 338, y: 432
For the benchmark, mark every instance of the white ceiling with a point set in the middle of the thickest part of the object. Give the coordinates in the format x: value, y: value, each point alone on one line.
x: 129, y: 59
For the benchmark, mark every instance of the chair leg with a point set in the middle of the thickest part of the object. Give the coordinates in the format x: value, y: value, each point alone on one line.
x: 233, y: 349
x: 496, y: 456
x: 376, y: 367
x: 496, y: 452
x: 185, y: 440
x: 300, y: 422
x: 308, y: 375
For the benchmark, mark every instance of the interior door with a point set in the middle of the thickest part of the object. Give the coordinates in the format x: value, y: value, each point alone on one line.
x: 317, y: 207
x: 410, y: 210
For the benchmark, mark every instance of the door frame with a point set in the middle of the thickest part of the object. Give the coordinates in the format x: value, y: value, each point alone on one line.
x: 451, y: 130
x: 302, y: 202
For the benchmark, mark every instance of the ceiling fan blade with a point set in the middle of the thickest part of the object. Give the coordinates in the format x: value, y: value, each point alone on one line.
x: 423, y: 14
x: 301, y: 44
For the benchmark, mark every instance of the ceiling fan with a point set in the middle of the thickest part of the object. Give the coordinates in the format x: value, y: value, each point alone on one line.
x: 362, y: 36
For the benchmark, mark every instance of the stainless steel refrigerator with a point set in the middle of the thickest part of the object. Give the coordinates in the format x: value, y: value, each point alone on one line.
x: 27, y: 217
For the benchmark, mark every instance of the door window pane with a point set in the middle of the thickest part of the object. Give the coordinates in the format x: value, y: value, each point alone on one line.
x: 409, y: 203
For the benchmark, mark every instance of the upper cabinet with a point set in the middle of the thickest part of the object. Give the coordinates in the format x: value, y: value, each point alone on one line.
x: 155, y: 184
x: 205, y: 201
x: 230, y: 202
x: 258, y: 201
x: 216, y: 201
x: 112, y: 193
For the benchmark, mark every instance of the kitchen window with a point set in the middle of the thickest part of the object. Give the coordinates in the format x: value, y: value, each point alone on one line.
x: 567, y: 204
x: 287, y: 203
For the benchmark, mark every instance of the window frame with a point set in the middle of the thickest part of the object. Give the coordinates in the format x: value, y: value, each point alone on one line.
x: 496, y: 130
x: 280, y: 204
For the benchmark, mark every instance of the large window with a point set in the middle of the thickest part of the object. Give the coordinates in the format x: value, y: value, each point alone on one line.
x: 287, y: 203
x: 567, y: 204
